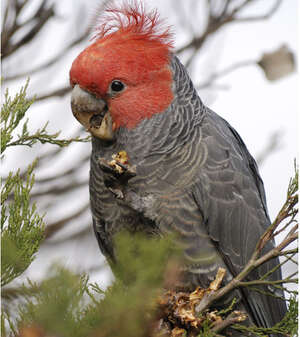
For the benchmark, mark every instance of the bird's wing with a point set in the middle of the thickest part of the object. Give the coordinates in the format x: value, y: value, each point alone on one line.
x: 230, y: 194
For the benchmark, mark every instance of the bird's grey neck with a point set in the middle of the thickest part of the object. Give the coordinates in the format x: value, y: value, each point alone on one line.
x: 164, y: 131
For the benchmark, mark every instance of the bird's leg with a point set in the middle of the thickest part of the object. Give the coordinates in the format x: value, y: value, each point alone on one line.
x: 117, y: 173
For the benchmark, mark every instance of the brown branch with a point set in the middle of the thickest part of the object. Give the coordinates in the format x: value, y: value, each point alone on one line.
x: 40, y: 18
x: 285, y: 226
x: 268, y: 282
x: 288, y: 254
x: 288, y: 210
x: 4, y: 17
x: 66, y: 173
x: 7, y: 31
x: 260, y: 17
x: 55, y: 93
x: 225, y: 8
x: 58, y: 190
x: 52, y: 61
x: 275, y: 65
x: 289, y: 251
x: 241, y: 7
x: 234, y: 317
x: 216, y: 22
x: 74, y: 236
x: 225, y: 72
x: 213, y: 25
x: 53, y: 228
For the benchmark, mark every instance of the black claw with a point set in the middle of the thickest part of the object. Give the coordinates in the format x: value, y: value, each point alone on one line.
x: 124, y: 167
x: 105, y: 167
x: 123, y: 177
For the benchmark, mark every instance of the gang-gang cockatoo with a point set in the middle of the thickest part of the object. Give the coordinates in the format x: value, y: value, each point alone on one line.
x: 193, y: 174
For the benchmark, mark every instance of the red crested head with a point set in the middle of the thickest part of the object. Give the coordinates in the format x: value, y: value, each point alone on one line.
x: 128, y: 64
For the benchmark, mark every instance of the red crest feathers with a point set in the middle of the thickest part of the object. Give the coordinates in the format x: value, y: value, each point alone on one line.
x: 131, y: 18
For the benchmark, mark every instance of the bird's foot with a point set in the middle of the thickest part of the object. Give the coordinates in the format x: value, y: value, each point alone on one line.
x: 118, y: 167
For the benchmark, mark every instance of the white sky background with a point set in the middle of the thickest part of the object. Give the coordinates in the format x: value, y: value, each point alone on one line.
x: 251, y: 104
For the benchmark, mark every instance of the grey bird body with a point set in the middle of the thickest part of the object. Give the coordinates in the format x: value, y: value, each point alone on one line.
x: 195, y: 178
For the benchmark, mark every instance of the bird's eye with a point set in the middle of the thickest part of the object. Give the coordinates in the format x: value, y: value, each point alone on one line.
x: 117, y: 86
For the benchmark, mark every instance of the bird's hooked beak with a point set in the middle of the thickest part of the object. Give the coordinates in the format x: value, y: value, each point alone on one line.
x: 92, y: 113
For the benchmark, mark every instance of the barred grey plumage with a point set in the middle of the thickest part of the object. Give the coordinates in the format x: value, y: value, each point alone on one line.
x: 195, y: 177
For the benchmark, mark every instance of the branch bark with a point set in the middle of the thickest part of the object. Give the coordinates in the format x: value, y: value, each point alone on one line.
x: 39, y: 20
x: 51, y: 229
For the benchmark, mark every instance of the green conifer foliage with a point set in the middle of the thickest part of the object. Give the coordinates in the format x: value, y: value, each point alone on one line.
x: 21, y: 225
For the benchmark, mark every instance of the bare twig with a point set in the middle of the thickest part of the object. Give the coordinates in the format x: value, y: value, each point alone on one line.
x: 225, y: 17
x: 267, y: 282
x: 55, y: 93
x: 51, y: 229
x: 290, y: 251
x: 71, y: 171
x: 40, y: 18
x: 225, y: 72
x: 234, y: 317
x: 225, y: 8
x: 52, y: 61
x: 288, y: 258
x: 74, y: 236
x: 58, y: 190
x: 260, y: 17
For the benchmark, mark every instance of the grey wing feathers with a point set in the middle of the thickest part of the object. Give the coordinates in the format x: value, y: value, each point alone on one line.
x: 235, y: 208
x: 252, y: 166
